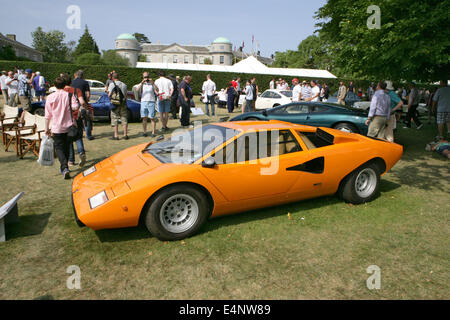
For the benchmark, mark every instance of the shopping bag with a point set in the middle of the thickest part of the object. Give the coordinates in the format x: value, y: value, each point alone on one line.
x: 46, y: 152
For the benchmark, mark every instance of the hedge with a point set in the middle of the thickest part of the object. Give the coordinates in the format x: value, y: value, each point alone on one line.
x: 132, y: 76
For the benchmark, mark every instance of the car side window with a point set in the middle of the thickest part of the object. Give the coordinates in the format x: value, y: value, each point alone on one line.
x: 266, y: 94
x: 258, y: 145
x: 317, y: 109
x: 297, y: 108
x: 275, y: 96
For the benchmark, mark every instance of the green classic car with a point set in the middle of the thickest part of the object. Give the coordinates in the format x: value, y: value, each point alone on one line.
x: 320, y: 114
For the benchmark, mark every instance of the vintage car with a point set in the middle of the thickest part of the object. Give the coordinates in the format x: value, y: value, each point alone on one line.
x: 273, y: 98
x: 174, y: 186
x: 320, y: 114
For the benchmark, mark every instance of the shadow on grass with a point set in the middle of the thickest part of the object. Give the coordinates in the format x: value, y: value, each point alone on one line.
x: 124, y: 234
x: 29, y: 225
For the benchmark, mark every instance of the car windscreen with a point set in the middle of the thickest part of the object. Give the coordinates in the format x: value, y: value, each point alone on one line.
x: 94, y: 98
x: 189, y: 146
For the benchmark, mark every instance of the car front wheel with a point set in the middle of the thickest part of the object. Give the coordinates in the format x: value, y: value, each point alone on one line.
x: 361, y: 185
x: 177, y: 212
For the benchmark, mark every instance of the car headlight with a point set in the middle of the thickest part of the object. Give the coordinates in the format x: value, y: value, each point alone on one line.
x: 98, y: 199
x: 89, y: 171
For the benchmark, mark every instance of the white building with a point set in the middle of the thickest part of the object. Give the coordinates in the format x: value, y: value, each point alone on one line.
x: 20, y: 49
x: 219, y: 52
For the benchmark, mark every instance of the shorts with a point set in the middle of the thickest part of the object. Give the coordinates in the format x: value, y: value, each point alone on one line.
x: 442, y: 148
x: 442, y: 117
x: 119, y: 113
x: 164, y: 106
x: 39, y: 93
x: 148, y: 109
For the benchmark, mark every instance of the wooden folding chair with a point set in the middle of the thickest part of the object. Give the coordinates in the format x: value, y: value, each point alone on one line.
x: 32, y: 142
x: 13, y: 136
x: 8, y: 120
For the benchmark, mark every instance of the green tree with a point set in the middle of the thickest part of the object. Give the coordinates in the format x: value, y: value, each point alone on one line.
x: 413, y: 42
x: 7, y: 53
x: 51, y: 45
x: 312, y: 53
x: 89, y: 59
x: 111, y: 58
x: 86, y: 44
x: 141, y: 38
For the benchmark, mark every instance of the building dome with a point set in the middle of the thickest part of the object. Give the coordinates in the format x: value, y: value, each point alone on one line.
x: 126, y: 36
x: 222, y: 40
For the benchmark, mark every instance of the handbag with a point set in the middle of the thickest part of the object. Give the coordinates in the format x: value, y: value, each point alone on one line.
x: 74, y: 133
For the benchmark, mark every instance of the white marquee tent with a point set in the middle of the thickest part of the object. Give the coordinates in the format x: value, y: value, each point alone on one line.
x: 249, y: 65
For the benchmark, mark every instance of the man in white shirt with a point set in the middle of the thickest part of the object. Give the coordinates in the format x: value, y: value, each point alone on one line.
x: 296, y: 92
x: 272, y: 84
x: 208, y: 91
x: 3, y: 87
x: 306, y: 91
x: 148, y: 100
x: 165, y: 89
x: 12, y: 84
x: 120, y: 112
x: 315, y: 91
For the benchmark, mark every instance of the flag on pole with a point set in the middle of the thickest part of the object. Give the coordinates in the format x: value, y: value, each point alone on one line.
x: 253, y: 39
x: 243, y: 44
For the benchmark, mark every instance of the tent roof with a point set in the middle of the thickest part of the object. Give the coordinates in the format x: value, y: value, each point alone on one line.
x: 249, y: 65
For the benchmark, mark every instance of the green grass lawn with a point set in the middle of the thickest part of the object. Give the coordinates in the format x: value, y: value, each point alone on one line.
x: 320, y: 251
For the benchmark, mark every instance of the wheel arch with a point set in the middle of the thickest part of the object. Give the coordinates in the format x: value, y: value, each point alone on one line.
x: 199, y: 186
x: 380, y: 162
x: 346, y: 121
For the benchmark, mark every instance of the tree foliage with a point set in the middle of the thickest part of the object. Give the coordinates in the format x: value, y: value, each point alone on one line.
x: 312, y: 53
x: 7, y: 53
x: 413, y: 42
x: 86, y: 44
x: 111, y: 58
x: 51, y: 45
x: 141, y: 38
x: 89, y: 59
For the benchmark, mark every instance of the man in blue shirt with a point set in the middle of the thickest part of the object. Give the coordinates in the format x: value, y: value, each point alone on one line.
x: 379, y: 113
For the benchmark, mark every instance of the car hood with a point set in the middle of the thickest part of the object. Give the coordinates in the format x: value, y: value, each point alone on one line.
x: 113, y: 172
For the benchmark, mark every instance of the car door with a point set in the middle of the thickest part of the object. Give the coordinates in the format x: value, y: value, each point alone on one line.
x: 319, y: 116
x: 263, y: 101
x: 293, y: 112
x: 255, y: 165
x: 102, y: 107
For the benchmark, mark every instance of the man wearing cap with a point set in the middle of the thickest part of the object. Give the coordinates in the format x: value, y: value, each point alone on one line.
x: 396, y: 104
x: 379, y: 112
x: 296, y: 91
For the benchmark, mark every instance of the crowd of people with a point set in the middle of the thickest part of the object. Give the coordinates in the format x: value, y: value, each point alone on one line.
x: 69, y: 105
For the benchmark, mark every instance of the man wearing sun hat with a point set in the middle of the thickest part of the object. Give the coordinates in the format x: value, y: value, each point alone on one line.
x: 396, y: 104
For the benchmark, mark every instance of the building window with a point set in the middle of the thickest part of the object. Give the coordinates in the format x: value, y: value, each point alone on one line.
x: 164, y: 59
x: 126, y: 43
x: 175, y: 59
x: 222, y: 59
x: 186, y: 59
x: 149, y: 58
x: 201, y: 60
x: 222, y: 47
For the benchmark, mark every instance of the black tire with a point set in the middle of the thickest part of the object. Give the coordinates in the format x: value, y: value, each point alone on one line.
x: 40, y: 112
x: 129, y: 115
x: 361, y: 185
x: 346, y: 126
x: 275, y: 105
x: 161, y: 209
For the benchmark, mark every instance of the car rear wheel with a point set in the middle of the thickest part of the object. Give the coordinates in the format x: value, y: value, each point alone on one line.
x: 275, y: 105
x: 345, y: 126
x: 361, y: 185
x: 177, y: 212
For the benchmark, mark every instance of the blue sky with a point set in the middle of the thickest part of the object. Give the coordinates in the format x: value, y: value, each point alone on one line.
x: 277, y: 25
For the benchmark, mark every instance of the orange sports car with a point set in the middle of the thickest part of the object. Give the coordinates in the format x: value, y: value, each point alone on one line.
x: 174, y: 186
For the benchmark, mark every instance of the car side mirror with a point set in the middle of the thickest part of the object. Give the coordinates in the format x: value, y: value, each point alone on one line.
x: 209, y: 163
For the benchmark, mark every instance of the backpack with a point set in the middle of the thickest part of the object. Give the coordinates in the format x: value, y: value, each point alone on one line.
x: 117, y: 98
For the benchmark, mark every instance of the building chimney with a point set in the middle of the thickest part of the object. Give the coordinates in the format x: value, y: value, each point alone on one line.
x: 11, y: 36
